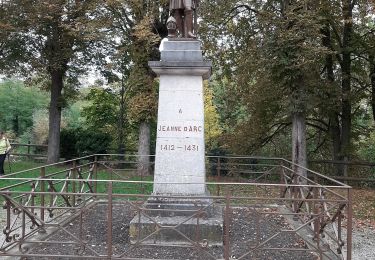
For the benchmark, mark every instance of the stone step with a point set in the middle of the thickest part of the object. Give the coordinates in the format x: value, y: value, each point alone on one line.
x: 180, y: 201
x: 181, y: 45
x: 165, y: 219
x: 177, y: 230
x: 170, y: 210
x: 169, y: 207
x: 174, y: 55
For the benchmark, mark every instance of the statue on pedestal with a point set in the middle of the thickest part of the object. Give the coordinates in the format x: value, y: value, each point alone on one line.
x: 183, y: 13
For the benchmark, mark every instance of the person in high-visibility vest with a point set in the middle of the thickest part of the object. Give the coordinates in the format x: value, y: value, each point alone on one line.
x: 4, y: 150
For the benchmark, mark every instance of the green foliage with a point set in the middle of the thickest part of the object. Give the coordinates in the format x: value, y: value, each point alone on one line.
x: 143, y: 95
x: 56, y: 35
x: 91, y: 141
x: 73, y: 114
x: 211, y: 121
x: 61, y: 38
x: 141, y: 26
x: 274, y: 60
x: 13, y: 46
x: 68, y: 144
x: 366, y: 147
x: 17, y: 105
x: 270, y: 64
x: 81, y: 142
x: 102, y: 113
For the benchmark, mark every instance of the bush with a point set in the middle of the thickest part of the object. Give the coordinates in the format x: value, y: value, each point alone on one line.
x: 92, y: 141
x: 81, y: 142
x: 68, y: 143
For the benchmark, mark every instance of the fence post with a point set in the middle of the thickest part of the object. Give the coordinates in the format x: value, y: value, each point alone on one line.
x: 74, y: 177
x: 227, y: 226
x: 316, y: 212
x: 95, y: 174
x: 28, y: 150
x: 282, y: 182
x: 42, y: 189
x: 109, y: 214
x: 346, y: 172
x: 218, y: 170
x: 349, y: 233
x: 295, y: 193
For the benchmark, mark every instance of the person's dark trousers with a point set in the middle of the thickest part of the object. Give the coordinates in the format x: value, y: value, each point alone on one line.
x: 2, y: 160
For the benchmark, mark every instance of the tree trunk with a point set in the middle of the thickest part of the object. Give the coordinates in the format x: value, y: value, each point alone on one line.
x: 55, y: 117
x: 144, y: 149
x: 372, y: 79
x: 335, y: 132
x: 299, y: 154
x: 121, y: 146
x: 346, y: 110
x: 334, y: 117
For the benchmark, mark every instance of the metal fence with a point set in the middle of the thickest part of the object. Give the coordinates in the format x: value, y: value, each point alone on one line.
x: 83, y: 209
x: 29, y: 150
x: 354, y: 173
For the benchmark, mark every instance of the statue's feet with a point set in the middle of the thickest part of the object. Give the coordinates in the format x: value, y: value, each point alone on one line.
x: 191, y: 35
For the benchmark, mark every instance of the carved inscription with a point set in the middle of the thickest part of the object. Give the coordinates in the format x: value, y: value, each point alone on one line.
x: 189, y: 129
x: 186, y: 129
x: 185, y: 148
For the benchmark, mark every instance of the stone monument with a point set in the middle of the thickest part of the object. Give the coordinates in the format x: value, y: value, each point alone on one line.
x: 180, y: 149
x: 180, y: 191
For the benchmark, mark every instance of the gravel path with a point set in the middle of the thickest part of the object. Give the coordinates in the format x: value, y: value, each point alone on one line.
x: 364, y: 244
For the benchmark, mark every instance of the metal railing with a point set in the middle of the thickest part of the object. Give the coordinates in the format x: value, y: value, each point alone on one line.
x: 355, y: 173
x: 29, y: 150
x: 84, y: 208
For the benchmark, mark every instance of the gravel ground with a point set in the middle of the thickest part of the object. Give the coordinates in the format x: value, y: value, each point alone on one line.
x: 242, y: 228
x: 364, y: 243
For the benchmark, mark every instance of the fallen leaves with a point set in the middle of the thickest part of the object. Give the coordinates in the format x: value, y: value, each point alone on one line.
x: 364, y: 208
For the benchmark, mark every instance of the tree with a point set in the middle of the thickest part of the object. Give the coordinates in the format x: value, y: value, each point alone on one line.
x: 345, y: 34
x: 141, y: 25
x: 12, y: 45
x: 309, y: 60
x: 59, y: 37
x: 276, y: 84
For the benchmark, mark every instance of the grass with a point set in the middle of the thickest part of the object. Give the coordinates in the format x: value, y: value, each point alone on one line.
x: 125, y: 187
x: 363, y: 199
x: 17, y: 167
x: 61, y: 172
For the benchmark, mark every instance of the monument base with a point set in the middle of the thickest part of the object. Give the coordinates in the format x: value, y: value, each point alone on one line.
x: 179, y: 155
x: 178, y: 222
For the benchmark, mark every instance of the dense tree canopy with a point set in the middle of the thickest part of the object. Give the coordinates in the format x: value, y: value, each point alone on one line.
x: 288, y: 58
x: 286, y: 71
x: 140, y: 26
x: 57, y: 39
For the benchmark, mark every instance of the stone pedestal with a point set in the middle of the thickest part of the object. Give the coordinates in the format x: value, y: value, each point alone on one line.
x: 180, y: 151
x: 180, y: 154
x: 167, y: 221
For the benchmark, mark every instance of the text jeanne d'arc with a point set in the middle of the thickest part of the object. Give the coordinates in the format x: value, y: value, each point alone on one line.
x: 167, y: 128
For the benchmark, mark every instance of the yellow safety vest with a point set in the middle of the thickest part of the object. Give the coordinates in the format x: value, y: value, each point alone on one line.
x: 4, y: 145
